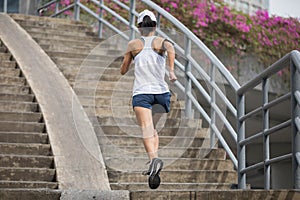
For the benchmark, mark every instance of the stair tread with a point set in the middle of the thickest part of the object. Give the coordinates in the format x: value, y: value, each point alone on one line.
x: 29, y: 194
x: 26, y: 161
x: 28, y: 185
x: 14, y: 89
x: 16, y: 97
x: 25, y: 149
x: 21, y: 116
x: 23, y: 137
x: 169, y: 186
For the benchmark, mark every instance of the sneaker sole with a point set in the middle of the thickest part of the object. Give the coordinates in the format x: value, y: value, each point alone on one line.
x: 154, y: 179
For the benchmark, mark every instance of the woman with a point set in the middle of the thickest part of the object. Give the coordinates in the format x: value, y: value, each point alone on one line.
x: 150, y: 87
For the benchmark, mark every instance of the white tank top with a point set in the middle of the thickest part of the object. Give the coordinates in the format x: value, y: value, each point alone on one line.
x: 150, y: 69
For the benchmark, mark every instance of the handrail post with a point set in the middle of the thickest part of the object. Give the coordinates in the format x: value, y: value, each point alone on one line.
x: 132, y: 19
x: 57, y: 7
x: 212, y: 101
x: 241, y: 151
x: 158, y: 21
x: 100, y: 25
x: 76, y: 10
x: 266, y: 141
x: 295, y: 81
x: 188, y: 81
x: 5, y: 6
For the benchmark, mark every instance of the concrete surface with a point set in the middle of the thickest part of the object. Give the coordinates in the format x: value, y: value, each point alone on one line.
x: 78, y: 158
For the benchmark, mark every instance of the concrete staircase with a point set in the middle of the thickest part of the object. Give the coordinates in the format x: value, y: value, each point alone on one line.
x: 192, y: 170
x: 26, y: 160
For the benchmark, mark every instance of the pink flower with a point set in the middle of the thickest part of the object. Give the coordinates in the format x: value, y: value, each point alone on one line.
x: 213, y: 8
x: 174, y: 5
x: 216, y: 43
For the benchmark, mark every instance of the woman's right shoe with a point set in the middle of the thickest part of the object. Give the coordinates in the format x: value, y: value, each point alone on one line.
x: 155, y: 167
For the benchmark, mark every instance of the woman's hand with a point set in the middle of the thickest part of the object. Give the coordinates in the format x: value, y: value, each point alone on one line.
x: 172, y: 76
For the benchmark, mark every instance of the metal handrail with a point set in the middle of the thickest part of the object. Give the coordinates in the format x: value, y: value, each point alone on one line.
x: 291, y: 60
x: 5, y: 6
x: 238, y: 111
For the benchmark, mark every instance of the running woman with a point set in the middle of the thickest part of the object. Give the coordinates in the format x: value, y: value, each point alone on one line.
x: 150, y: 88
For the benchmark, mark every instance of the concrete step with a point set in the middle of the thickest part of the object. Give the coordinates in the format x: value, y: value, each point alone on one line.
x: 81, y: 91
x: 66, y: 48
x: 16, y: 97
x: 30, y: 194
x: 21, y: 116
x: 136, y: 141
x: 85, y: 49
x: 26, y: 161
x: 100, y: 70
x: 139, y: 163
x: 8, y: 64
x: 32, y: 127
x: 65, y: 42
x: 27, y: 174
x: 25, y: 149
x: 112, y: 151
x: 43, y: 19
x: 8, y: 80
x: 55, y: 31
x: 92, y: 55
x: 21, y: 137
x: 14, y: 89
x: 67, y: 65
x: 143, y: 186
x: 109, y: 63
x: 17, y: 106
x: 104, y: 62
x: 124, y: 111
x: 46, y: 35
x: 101, y: 101
x: 78, y: 76
x: 112, y: 122
x: 83, y: 73
x: 188, y: 176
x: 62, y: 26
x: 7, y: 71
x: 215, y: 194
x: 102, y: 87
x: 3, y: 49
x: 5, y: 56
x: 135, y: 131
x: 28, y: 184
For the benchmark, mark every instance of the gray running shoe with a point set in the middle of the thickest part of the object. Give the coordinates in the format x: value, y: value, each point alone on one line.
x: 155, y: 167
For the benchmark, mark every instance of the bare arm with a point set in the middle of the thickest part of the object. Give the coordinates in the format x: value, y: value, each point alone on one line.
x: 171, y: 59
x: 126, y: 60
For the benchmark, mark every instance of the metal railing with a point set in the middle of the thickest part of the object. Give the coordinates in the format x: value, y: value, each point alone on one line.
x: 5, y: 6
x: 293, y: 59
x: 191, y: 66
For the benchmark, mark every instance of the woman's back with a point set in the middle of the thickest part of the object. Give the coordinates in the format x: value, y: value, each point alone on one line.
x: 150, y: 68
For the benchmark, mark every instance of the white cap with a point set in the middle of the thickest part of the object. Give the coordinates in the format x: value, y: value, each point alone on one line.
x: 146, y: 13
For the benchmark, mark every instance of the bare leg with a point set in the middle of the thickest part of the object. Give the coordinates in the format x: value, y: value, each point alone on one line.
x: 156, y: 117
x: 144, y: 118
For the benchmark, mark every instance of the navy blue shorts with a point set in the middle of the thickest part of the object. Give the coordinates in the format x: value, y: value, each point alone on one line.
x: 159, y: 103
